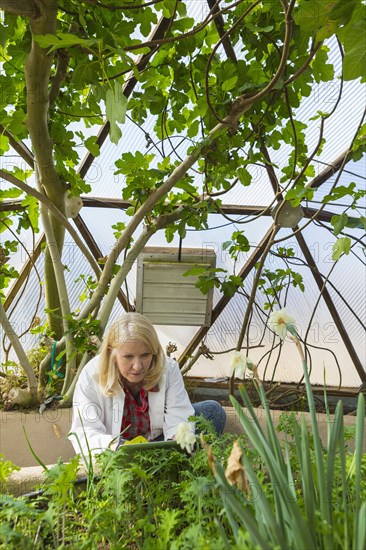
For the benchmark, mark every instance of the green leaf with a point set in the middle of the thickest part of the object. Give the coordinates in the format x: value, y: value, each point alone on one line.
x: 339, y: 192
x: 61, y: 40
x: 339, y: 222
x: 244, y: 176
x: 84, y: 73
x: 341, y: 246
x: 354, y: 62
x: 169, y: 234
x: 116, y: 107
x: 186, y: 187
x: 3, y: 36
x: 31, y: 204
x: 229, y: 84
x: 343, y: 10
x: 168, y: 7
x: 311, y: 15
x: 6, y: 222
x: 147, y: 21
x: 297, y: 280
x: 194, y: 271
x: 230, y: 286
x: 193, y: 129
x: 322, y: 71
x: 363, y: 222
x: 12, y: 193
x: 298, y: 193
x: 92, y: 145
x: 4, y: 144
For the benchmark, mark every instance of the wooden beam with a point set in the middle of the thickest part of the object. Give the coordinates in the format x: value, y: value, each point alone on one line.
x: 98, y: 254
x: 230, y: 209
x: 330, y: 170
x: 220, y: 25
x: 332, y: 308
x: 19, y: 147
x: 24, y: 273
x: 282, y: 387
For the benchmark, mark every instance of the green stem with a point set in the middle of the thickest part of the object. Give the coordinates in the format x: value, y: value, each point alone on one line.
x: 325, y: 501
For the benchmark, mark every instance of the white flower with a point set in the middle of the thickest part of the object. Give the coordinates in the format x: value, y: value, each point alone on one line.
x: 240, y: 364
x: 185, y: 436
x: 280, y: 322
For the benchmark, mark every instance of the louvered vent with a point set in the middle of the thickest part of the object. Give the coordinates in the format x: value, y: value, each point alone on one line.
x: 164, y: 295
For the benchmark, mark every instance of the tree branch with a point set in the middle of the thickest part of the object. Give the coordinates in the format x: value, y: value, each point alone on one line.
x: 111, y: 7
x: 24, y: 8
x: 59, y: 269
x: 18, y: 348
x: 19, y: 147
x: 211, y: 16
x: 61, y: 72
x: 37, y: 70
x: 305, y: 65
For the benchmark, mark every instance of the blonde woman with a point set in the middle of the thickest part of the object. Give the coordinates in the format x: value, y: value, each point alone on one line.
x: 131, y: 388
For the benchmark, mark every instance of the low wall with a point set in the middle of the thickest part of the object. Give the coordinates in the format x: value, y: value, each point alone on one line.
x: 47, y: 434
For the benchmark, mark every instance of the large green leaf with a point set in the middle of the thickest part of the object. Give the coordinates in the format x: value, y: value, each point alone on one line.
x: 12, y: 193
x: 354, y: 63
x: 116, y: 107
x: 339, y: 222
x: 31, y: 204
x: 62, y: 40
x: 311, y: 15
x: 4, y: 144
x: 92, y: 145
x: 341, y: 246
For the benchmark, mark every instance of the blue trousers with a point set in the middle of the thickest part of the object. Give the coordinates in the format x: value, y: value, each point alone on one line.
x: 211, y: 410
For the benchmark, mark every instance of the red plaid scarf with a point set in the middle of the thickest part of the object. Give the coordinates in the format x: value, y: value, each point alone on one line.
x: 136, y: 418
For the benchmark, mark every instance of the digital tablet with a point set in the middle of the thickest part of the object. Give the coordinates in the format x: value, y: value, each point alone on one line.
x: 151, y: 445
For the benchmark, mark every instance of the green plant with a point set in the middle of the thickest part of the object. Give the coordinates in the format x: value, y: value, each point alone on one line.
x: 166, y: 499
x: 312, y: 496
x: 6, y: 468
x: 148, y: 499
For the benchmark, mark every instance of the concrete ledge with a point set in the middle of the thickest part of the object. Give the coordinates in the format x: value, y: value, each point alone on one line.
x: 26, y: 480
x: 233, y: 423
x: 47, y: 433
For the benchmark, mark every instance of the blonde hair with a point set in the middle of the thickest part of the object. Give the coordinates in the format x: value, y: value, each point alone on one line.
x: 129, y: 327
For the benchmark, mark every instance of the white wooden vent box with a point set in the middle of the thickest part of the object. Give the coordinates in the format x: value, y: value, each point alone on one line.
x: 164, y: 295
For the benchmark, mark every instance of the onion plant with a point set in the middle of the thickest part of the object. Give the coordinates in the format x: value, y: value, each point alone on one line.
x: 312, y: 496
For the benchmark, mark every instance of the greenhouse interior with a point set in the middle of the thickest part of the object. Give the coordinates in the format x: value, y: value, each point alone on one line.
x: 183, y: 267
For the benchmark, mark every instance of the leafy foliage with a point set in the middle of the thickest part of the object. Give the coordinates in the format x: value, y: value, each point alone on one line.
x: 6, y: 468
x: 311, y: 496
x: 164, y: 498
x: 159, y: 499
x: 209, y: 119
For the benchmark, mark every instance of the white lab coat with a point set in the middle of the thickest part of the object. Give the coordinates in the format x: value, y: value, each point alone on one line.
x: 97, y: 418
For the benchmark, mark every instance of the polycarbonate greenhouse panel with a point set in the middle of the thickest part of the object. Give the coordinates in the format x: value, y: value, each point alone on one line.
x: 329, y: 360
